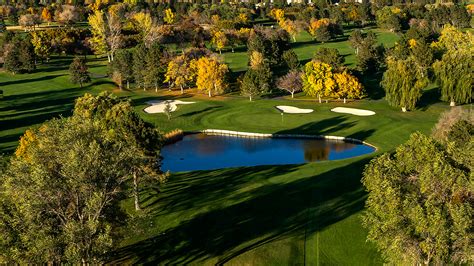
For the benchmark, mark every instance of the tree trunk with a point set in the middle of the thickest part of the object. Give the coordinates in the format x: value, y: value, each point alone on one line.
x: 294, y: 38
x: 452, y: 103
x: 209, y: 93
x: 128, y: 85
x: 232, y: 49
x: 292, y: 94
x: 404, y: 109
x: 156, y: 87
x: 250, y: 97
x: 344, y: 100
x: 182, y: 89
x: 319, y: 97
x: 135, y: 192
x: 108, y: 58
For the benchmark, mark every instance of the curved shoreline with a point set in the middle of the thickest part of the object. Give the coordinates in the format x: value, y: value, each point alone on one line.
x: 220, y: 132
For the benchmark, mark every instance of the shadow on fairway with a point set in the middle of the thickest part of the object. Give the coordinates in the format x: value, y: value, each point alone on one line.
x: 272, y: 211
x: 321, y: 127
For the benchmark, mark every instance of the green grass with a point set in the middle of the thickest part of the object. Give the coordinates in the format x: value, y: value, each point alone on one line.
x: 266, y: 215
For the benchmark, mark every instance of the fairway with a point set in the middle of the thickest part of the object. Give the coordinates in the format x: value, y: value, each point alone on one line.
x: 264, y: 215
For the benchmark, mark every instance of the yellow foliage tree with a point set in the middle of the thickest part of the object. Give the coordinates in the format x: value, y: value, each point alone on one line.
x: 452, y: 39
x: 219, y: 39
x: 25, y: 141
x: 256, y: 60
x: 210, y: 76
x: 348, y: 86
x: 143, y: 22
x: 179, y: 73
x: 278, y: 14
x: 169, y: 16
x: 318, y: 80
x: 291, y: 27
x: 315, y: 24
x: 243, y: 18
x: 98, y: 30
x: 46, y: 15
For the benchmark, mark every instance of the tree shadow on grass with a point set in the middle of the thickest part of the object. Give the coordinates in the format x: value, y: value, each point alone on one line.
x: 23, y: 81
x: 429, y: 97
x: 270, y: 212
x: 322, y: 127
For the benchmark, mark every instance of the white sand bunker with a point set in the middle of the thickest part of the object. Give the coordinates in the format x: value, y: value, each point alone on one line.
x: 293, y: 110
x: 353, y: 111
x: 159, y: 106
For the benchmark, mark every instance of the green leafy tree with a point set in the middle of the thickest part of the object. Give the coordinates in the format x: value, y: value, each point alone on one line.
x: 122, y: 61
x: 419, y: 209
x: 330, y: 56
x: 79, y: 72
x: 454, y: 75
x: 403, y: 84
x: 291, y: 59
x: 256, y: 81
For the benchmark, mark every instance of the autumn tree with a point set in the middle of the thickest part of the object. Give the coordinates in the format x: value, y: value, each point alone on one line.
x: 46, y: 15
x: 348, y: 86
x: 78, y: 71
x: 211, y: 76
x: 66, y: 14
x: 106, y: 33
x: 169, y: 16
x: 419, y: 208
x: 179, y: 73
x: 41, y: 42
x: 318, y: 79
x: 219, y: 40
x: 323, y: 29
x: 403, y: 84
x: 291, y: 82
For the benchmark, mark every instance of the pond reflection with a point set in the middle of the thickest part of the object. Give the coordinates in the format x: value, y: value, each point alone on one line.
x: 206, y: 152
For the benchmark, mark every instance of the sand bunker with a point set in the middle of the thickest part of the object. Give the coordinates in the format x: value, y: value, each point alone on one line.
x: 159, y: 106
x: 353, y: 111
x: 293, y: 110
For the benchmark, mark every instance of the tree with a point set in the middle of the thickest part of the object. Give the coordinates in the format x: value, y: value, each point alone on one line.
x: 291, y: 59
x: 291, y: 82
x: 323, y: 29
x: 179, y: 73
x: 46, y: 15
x: 356, y: 38
x: 64, y: 188
x: 369, y: 54
x: 154, y: 74
x: 140, y: 56
x: 292, y: 27
x: 257, y: 80
x: 19, y: 55
x: 318, y: 79
x: 121, y: 64
x: 42, y: 44
x: 219, y: 40
x: 389, y: 18
x: 106, y: 33
x: 403, y: 84
x: 128, y: 127
x: 348, y: 86
x: 66, y: 15
x: 329, y: 56
x: 169, y: 16
x: 454, y: 75
x: 419, y: 209
x: 78, y: 71
x: 211, y: 76
x: 29, y: 21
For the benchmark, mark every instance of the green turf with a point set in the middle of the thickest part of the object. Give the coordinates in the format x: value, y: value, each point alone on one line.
x: 266, y: 215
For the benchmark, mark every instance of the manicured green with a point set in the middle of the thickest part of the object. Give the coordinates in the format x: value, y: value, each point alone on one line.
x: 262, y: 215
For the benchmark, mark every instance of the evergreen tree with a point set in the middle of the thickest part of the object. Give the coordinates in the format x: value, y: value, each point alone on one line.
x: 329, y: 56
x: 139, y: 67
x: 123, y: 59
x: 155, y: 70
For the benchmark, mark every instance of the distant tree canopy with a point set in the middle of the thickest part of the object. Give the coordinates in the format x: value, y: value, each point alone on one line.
x: 420, y: 208
x: 61, y: 191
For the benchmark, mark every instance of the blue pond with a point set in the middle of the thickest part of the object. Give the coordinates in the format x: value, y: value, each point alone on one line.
x: 208, y: 152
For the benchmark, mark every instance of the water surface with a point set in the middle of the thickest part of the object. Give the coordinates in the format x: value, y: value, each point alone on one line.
x: 207, y: 152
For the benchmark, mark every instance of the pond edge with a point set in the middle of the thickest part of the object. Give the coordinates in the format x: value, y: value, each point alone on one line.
x: 221, y: 132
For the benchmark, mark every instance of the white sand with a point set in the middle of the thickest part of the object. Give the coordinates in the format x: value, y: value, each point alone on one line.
x: 353, y: 111
x: 293, y: 110
x: 159, y: 106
